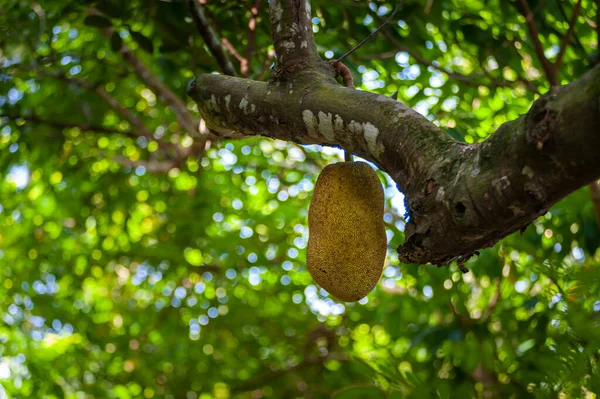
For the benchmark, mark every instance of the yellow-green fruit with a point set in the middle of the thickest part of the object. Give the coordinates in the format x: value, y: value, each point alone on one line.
x: 347, y: 243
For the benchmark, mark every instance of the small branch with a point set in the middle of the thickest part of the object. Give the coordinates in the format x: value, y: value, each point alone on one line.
x: 227, y: 44
x: 167, y: 96
x: 245, y: 67
x: 184, y: 117
x: 66, y: 125
x: 567, y: 37
x: 470, y: 80
x: 274, y: 374
x: 365, y: 40
x: 595, y: 194
x: 493, y: 301
x: 547, y: 66
x: 575, y: 42
x: 210, y: 38
x: 139, y: 127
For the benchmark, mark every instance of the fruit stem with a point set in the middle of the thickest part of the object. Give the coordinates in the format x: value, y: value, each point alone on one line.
x: 348, y: 157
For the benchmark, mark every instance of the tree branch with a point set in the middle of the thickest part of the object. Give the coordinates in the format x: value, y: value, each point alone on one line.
x: 184, y: 117
x: 275, y: 374
x: 493, y: 300
x: 67, y: 125
x: 227, y: 44
x: 469, y: 80
x: 549, y: 69
x: 575, y: 42
x: 210, y: 38
x: 459, y: 197
x: 139, y: 128
x: 567, y: 37
x: 291, y: 27
x: 245, y: 67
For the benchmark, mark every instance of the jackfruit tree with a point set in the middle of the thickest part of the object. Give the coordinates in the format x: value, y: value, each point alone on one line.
x: 157, y: 163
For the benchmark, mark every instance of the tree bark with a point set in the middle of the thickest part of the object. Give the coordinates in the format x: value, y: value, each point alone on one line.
x: 459, y: 197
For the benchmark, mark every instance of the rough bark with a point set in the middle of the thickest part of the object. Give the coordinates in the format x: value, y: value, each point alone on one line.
x: 460, y: 197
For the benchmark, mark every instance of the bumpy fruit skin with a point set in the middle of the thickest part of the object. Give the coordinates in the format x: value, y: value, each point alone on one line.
x: 347, y: 242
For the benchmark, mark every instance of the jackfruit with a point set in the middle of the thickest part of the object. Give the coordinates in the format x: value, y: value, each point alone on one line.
x: 347, y: 242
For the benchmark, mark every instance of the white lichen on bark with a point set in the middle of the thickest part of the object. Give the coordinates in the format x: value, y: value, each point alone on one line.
x: 326, y: 126
x: 371, y: 133
x: 310, y: 121
x: 244, y: 105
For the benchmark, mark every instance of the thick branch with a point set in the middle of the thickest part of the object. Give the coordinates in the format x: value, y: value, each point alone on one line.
x: 460, y: 197
x: 210, y: 38
x: 291, y: 27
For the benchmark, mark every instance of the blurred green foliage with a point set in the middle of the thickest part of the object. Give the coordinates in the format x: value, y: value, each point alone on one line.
x: 120, y: 283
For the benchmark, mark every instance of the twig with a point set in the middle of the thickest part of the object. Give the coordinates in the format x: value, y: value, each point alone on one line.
x: 503, y: 83
x: 493, y: 301
x: 359, y: 45
x: 245, y: 66
x: 210, y: 38
x: 272, y: 375
x: 227, y: 44
x: 139, y: 127
x: 547, y: 66
x: 567, y: 37
x: 470, y: 80
x: 577, y: 43
x: 184, y: 117
x: 66, y: 125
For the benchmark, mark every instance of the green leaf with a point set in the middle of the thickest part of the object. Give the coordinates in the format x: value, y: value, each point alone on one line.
x: 116, y: 42
x: 97, y: 21
x: 142, y: 41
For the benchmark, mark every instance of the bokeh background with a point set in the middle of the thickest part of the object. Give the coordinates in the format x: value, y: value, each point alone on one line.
x: 138, y: 260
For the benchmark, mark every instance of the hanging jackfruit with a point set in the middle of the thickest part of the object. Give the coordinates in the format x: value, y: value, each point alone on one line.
x: 347, y: 242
